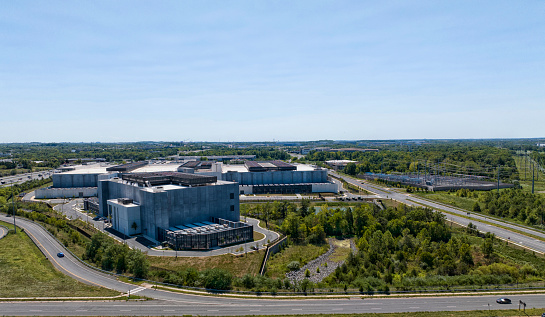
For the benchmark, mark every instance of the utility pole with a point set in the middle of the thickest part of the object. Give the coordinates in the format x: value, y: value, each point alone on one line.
x: 533, y: 172
x: 498, y: 179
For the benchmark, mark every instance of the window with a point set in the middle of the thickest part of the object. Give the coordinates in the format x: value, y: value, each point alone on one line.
x: 232, y: 195
x: 232, y: 207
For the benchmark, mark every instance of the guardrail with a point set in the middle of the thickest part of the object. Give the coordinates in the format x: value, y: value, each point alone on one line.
x: 347, y: 292
x: 273, y: 248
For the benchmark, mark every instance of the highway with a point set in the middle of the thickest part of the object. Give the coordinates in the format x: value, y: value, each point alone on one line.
x: 21, y: 178
x: 170, y: 303
x: 505, y: 234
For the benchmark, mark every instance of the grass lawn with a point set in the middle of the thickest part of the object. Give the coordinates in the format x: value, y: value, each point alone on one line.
x: 258, y: 236
x: 342, y: 251
x: 446, y: 198
x: 24, y: 272
x: 237, y: 265
x: 277, y: 264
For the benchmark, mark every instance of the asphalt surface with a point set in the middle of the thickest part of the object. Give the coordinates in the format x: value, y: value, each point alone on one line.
x: 21, y: 178
x: 3, y: 231
x: 71, y: 210
x: 169, y: 303
x: 514, y: 237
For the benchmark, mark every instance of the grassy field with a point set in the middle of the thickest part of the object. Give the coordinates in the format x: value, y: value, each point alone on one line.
x: 277, y: 264
x: 237, y: 265
x: 446, y: 198
x: 24, y: 272
x: 525, y: 175
x: 342, y: 250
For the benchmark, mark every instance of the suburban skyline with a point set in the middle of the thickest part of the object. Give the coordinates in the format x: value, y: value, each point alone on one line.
x: 244, y: 71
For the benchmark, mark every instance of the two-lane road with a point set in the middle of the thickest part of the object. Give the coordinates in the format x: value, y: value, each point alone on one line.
x: 459, y: 216
x: 169, y: 303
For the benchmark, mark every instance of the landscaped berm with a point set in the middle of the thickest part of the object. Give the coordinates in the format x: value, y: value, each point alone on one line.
x: 25, y: 272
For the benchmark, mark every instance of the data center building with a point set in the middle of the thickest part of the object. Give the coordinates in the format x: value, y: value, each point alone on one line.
x: 151, y: 203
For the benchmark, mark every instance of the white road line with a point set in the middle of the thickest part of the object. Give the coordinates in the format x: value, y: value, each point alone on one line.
x: 451, y: 306
x: 138, y: 289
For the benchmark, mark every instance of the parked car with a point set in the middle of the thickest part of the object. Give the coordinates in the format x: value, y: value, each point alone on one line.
x: 60, y: 255
x: 503, y: 300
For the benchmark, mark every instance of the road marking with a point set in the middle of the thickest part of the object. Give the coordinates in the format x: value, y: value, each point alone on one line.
x: 213, y: 310
x: 124, y: 310
x: 297, y: 309
x: 376, y: 308
x: 136, y: 290
x: 168, y: 310
x: 451, y: 306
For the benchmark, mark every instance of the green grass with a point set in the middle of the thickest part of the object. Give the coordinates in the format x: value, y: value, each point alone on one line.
x: 25, y: 272
x: 238, y: 265
x: 258, y: 236
x: 342, y: 251
x: 277, y: 264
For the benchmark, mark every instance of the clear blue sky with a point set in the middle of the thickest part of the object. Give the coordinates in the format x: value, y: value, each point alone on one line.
x: 263, y: 70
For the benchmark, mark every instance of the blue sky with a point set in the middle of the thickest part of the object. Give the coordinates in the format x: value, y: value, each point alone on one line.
x: 83, y: 71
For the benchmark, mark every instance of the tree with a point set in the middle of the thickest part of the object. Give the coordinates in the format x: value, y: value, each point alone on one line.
x: 138, y: 263
x: 476, y: 207
x: 134, y: 226
x: 350, y: 169
x: 488, y: 245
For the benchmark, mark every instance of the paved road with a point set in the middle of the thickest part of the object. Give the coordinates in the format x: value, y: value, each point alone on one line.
x: 225, y: 307
x: 71, y: 210
x: 21, y: 178
x: 3, y: 231
x: 517, y: 238
x: 167, y: 303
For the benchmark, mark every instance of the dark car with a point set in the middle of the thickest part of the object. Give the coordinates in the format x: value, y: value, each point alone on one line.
x: 503, y: 300
x: 60, y: 255
x: 543, y: 315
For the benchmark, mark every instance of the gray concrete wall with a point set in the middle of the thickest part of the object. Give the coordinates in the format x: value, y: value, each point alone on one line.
x: 176, y: 206
x: 276, y: 177
x: 62, y: 180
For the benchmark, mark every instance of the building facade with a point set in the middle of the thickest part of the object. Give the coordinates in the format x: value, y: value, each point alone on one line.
x: 165, y: 199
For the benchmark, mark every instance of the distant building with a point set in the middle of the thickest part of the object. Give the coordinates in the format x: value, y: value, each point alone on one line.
x: 339, y: 164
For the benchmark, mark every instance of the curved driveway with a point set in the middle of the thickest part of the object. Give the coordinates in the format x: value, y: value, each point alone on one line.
x: 169, y: 303
x: 69, y: 209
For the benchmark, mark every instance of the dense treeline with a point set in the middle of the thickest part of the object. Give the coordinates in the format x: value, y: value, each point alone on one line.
x: 6, y: 192
x: 404, y: 247
x: 261, y: 153
x: 510, y: 203
x: 451, y: 157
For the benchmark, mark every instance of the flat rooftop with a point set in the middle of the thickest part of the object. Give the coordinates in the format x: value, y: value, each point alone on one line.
x: 241, y: 168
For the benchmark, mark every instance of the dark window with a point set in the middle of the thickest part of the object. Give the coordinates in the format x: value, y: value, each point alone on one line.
x: 232, y: 207
x: 232, y: 195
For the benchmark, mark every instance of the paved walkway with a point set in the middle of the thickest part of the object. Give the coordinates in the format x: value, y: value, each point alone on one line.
x: 72, y: 211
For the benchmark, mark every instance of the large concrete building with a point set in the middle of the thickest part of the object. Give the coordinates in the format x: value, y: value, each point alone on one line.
x: 274, y: 177
x: 149, y: 203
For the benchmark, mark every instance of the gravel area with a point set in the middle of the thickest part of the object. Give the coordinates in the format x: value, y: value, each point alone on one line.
x: 299, y: 275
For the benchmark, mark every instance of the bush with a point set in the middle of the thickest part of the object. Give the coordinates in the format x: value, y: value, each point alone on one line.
x: 294, y: 265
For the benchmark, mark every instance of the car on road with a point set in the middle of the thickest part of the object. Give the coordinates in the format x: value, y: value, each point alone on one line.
x: 60, y: 255
x: 503, y: 300
x: 543, y: 315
